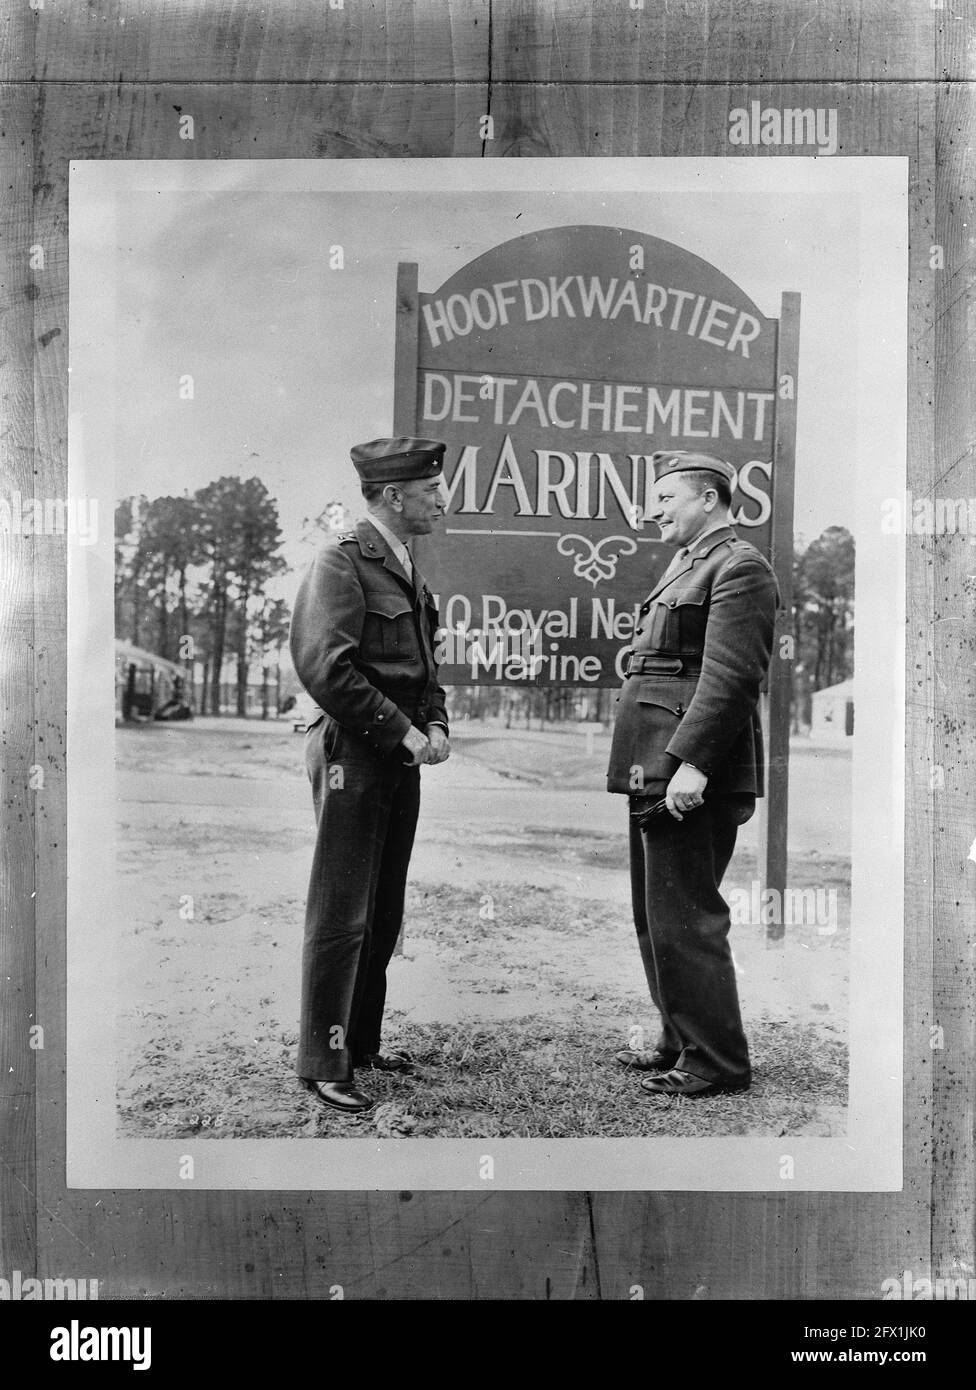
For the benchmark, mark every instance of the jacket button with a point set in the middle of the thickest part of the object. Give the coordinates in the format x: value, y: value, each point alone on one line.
x: 379, y: 719
x: 671, y: 602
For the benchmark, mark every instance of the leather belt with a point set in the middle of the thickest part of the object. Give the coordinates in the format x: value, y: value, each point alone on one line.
x: 646, y: 665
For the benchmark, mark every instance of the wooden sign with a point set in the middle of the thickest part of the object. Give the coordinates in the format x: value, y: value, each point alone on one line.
x: 554, y: 366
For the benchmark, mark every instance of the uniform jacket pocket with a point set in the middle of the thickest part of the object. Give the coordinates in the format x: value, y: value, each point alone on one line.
x: 674, y: 694
x: 678, y: 620
x: 389, y: 630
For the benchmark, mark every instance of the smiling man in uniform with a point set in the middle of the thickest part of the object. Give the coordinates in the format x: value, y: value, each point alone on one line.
x: 362, y: 640
x: 687, y: 750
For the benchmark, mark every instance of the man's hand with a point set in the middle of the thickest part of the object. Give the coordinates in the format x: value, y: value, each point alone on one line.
x: 440, y: 744
x: 418, y: 745
x: 685, y: 790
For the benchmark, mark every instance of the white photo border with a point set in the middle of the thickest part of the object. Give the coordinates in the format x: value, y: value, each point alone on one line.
x: 868, y: 1157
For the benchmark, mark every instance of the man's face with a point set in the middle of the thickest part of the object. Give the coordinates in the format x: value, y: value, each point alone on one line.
x: 679, y: 511
x: 423, y: 505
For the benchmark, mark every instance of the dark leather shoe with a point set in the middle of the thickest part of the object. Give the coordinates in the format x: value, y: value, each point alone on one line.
x: 636, y: 1060
x: 340, y: 1095
x: 685, y: 1083
x: 384, y: 1061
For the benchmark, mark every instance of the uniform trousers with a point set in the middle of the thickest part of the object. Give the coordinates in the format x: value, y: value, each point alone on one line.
x: 683, y: 925
x: 366, y: 811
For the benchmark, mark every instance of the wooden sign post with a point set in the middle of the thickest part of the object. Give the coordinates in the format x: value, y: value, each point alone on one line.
x: 774, y: 807
x: 554, y: 366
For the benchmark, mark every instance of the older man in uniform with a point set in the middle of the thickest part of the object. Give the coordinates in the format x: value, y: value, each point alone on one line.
x: 362, y: 640
x: 687, y: 749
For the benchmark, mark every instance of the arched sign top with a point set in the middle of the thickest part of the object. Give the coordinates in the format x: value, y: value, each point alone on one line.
x: 597, y: 302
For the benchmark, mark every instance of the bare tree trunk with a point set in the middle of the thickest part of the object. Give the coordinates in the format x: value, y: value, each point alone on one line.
x: 136, y: 594
x: 162, y: 639
x: 242, y: 661
x: 184, y: 610
x: 241, y: 686
x: 220, y: 625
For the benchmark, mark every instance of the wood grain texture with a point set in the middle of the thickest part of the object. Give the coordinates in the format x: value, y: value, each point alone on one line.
x: 953, y: 646
x: 566, y: 78
x: 241, y: 41
x: 18, y: 288
x: 778, y: 1246
x: 532, y: 40
x: 919, y: 995
x: 356, y: 121
x: 634, y: 119
x: 270, y: 1245
x: 955, y: 40
x: 705, y: 41
x: 56, y: 1233
x: 17, y: 29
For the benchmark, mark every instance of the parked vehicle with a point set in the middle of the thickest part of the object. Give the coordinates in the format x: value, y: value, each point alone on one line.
x: 146, y: 685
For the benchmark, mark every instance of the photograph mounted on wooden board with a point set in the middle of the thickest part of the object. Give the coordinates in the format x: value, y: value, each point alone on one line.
x: 448, y: 498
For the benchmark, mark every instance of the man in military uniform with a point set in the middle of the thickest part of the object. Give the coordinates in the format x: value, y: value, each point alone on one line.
x: 687, y: 749
x: 362, y: 640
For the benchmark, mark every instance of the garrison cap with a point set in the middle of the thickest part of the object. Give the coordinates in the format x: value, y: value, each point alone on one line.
x: 667, y: 461
x: 398, y: 460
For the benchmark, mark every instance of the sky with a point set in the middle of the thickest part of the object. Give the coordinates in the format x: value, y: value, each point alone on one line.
x: 205, y: 273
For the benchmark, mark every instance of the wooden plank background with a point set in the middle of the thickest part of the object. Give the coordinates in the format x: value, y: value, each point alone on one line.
x: 560, y: 77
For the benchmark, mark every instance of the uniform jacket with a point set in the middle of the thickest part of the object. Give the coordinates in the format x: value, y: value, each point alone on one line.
x: 716, y: 612
x: 362, y: 640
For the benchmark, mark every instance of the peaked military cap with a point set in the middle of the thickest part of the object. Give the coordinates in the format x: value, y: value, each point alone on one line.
x: 667, y: 461
x: 398, y: 460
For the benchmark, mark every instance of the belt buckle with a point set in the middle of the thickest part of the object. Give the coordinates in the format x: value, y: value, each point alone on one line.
x: 643, y: 663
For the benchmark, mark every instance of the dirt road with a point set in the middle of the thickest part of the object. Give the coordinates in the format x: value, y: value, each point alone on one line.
x: 518, y: 938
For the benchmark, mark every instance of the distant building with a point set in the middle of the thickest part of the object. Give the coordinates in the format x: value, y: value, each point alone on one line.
x: 833, y: 710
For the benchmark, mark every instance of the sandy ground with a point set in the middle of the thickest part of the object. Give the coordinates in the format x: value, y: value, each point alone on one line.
x: 518, y: 913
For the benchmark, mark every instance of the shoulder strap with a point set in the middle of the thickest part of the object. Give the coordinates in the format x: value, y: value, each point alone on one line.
x: 746, y: 550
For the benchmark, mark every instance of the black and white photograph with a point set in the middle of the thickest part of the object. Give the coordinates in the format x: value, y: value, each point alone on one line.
x: 474, y: 665
x: 486, y: 646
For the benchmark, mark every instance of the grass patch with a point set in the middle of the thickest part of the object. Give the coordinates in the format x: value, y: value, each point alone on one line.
x: 511, y: 1081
